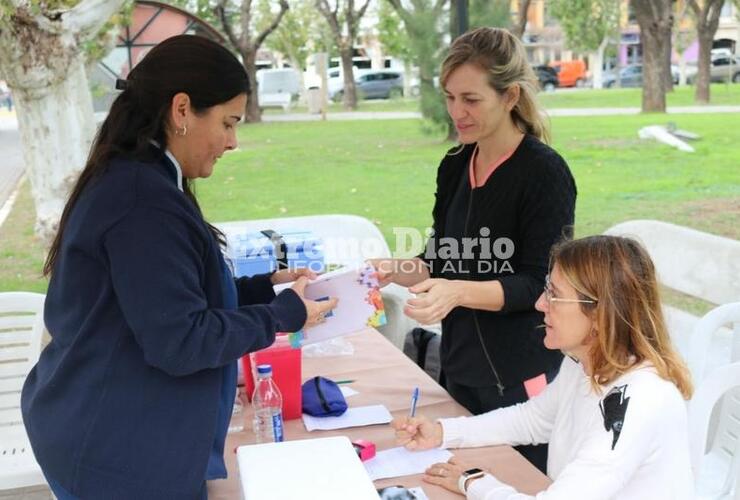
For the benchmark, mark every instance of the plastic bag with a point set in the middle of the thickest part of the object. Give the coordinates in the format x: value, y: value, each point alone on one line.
x: 337, y: 346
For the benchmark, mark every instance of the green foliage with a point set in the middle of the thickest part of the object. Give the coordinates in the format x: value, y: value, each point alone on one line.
x: 491, y: 13
x: 424, y: 34
x: 391, y: 33
x: 202, y: 9
x: 296, y: 30
x: 586, y: 22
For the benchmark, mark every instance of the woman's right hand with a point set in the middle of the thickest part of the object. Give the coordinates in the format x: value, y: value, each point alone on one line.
x: 417, y: 433
x: 383, y: 270
x: 315, y: 311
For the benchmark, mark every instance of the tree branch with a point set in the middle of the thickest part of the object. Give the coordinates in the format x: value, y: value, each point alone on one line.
x: 87, y: 17
x: 245, y: 19
x: 403, y: 13
x: 331, y: 18
x: 361, y: 12
x: 220, y: 11
x: 521, y: 23
x: 273, y: 25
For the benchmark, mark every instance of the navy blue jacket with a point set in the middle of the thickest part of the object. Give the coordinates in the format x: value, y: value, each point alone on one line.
x: 123, y: 403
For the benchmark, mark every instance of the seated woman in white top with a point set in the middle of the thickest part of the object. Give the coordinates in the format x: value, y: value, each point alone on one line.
x: 615, y: 416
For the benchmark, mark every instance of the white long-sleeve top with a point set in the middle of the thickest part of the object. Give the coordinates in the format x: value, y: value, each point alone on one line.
x: 648, y: 459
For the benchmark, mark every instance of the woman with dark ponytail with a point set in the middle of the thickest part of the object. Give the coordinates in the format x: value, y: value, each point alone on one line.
x: 132, y: 397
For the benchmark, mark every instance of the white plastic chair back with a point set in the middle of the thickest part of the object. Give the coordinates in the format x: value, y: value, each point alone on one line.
x: 717, y: 470
x: 703, y: 336
x: 21, y: 329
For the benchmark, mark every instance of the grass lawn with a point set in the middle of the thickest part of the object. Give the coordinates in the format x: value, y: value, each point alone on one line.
x: 385, y: 170
x: 720, y: 94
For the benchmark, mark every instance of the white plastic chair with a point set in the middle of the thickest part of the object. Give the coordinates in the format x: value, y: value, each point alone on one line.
x: 716, y: 471
x: 21, y: 329
x: 711, y: 341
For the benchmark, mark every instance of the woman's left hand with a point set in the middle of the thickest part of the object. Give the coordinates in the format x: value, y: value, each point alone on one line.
x: 440, y: 297
x: 446, y: 474
x: 290, y: 275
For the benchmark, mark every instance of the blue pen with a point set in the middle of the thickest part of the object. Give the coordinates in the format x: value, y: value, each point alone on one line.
x: 414, y: 399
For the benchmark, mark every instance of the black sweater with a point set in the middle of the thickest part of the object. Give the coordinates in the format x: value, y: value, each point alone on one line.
x: 527, y: 204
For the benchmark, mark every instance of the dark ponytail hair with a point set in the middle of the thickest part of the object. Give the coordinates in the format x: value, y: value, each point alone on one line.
x: 206, y: 71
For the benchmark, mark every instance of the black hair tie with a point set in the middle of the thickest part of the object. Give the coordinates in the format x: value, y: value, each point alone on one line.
x: 121, y: 84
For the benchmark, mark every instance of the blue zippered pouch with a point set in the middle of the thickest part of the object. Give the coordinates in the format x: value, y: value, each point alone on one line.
x: 322, y: 398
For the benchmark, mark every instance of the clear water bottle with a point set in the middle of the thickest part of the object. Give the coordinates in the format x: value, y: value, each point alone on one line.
x: 268, y: 407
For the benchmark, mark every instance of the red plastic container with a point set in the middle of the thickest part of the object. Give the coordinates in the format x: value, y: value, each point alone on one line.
x: 286, y: 372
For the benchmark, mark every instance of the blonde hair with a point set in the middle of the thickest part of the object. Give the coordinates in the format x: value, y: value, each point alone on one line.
x: 502, y: 56
x: 619, y: 275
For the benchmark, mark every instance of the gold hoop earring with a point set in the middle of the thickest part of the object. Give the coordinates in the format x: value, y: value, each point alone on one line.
x: 182, y: 131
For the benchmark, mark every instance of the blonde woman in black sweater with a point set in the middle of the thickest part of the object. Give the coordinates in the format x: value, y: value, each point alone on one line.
x: 503, y: 198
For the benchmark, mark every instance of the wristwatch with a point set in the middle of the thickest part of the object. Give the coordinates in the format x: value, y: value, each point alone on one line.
x: 468, y: 474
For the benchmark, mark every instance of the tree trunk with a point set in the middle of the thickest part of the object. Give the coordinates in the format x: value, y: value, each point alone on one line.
x: 701, y: 95
x: 56, y: 129
x: 667, y: 73
x: 707, y: 22
x: 42, y: 60
x: 655, y: 18
x: 252, y: 114
x: 653, y: 68
x: 349, y: 97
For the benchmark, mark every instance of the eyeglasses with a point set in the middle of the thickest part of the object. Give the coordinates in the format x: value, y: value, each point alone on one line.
x: 549, y: 295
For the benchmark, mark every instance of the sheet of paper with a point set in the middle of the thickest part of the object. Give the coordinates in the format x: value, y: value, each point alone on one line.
x: 397, y: 462
x: 353, y: 417
x: 348, y: 391
x: 360, y: 303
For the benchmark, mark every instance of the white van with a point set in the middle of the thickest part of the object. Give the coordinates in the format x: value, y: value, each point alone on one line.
x: 278, y: 87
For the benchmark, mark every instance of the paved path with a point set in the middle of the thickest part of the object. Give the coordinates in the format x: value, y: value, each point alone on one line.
x: 11, y: 157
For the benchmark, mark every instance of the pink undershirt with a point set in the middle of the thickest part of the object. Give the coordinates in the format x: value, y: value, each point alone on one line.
x: 490, y: 169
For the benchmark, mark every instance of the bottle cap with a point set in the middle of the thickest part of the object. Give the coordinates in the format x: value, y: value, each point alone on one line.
x: 264, y: 369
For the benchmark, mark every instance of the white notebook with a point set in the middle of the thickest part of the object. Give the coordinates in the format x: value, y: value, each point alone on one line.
x: 323, y: 468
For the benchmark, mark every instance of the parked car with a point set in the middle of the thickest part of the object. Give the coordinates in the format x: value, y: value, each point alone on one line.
x: 631, y: 76
x: 547, y: 77
x: 570, y: 73
x: 724, y: 68
x: 373, y: 84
